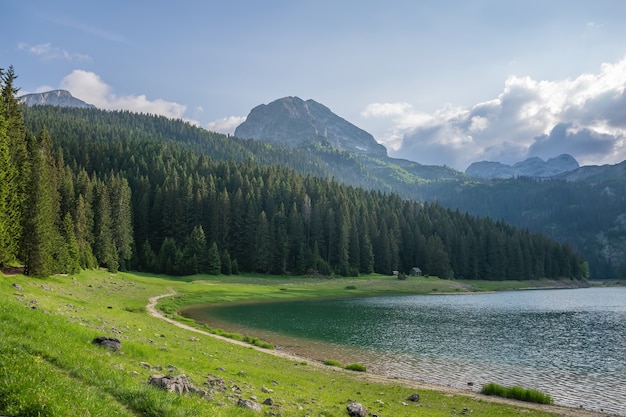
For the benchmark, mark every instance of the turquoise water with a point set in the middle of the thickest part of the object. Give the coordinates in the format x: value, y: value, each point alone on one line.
x: 569, y: 343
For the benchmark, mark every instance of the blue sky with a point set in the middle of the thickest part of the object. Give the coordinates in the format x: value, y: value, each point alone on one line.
x: 438, y: 82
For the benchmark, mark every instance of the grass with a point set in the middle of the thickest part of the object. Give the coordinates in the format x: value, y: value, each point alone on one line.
x: 333, y: 362
x: 358, y: 367
x: 516, y: 393
x: 49, y: 367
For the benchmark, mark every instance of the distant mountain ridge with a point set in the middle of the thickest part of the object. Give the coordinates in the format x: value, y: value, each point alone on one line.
x: 295, y: 122
x: 60, y: 98
x: 531, y: 167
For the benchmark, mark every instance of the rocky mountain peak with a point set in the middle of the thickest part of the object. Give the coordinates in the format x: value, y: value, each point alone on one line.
x: 61, y: 98
x: 295, y: 122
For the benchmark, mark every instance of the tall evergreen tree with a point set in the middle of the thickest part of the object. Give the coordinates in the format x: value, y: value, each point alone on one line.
x: 14, y: 168
x: 214, y: 262
x: 83, y: 226
x: 8, y: 249
x: 40, y: 226
x: 194, y: 254
x: 104, y: 248
x: 71, y: 261
x: 121, y: 213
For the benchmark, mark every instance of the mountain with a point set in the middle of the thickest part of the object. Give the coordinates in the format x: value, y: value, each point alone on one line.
x: 295, y: 122
x: 596, y: 173
x: 352, y: 154
x: 531, y: 167
x: 61, y: 98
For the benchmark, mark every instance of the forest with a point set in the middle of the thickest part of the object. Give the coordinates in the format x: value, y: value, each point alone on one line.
x: 87, y: 188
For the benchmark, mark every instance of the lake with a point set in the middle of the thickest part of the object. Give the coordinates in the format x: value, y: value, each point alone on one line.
x: 569, y: 343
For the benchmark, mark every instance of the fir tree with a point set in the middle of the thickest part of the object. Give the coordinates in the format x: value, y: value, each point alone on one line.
x: 214, y: 263
x: 71, y: 262
x: 41, y: 234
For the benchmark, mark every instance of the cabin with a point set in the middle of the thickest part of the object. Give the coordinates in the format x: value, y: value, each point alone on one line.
x: 415, y: 272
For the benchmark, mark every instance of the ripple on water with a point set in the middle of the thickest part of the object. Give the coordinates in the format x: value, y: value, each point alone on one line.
x: 568, y: 343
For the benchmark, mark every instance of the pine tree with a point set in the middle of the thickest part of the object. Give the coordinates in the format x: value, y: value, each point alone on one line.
x: 121, y: 213
x: 226, y: 263
x: 83, y: 226
x: 104, y: 248
x: 194, y: 254
x: 71, y: 264
x: 41, y: 234
x: 214, y: 263
x: 14, y: 168
x: 262, y: 255
x: 7, y: 186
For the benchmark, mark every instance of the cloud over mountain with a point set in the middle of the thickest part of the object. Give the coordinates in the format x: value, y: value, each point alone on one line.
x: 585, y: 117
x: 88, y: 86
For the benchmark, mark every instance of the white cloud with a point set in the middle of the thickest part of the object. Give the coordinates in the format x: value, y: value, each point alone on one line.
x: 89, y: 87
x: 47, y: 51
x: 227, y: 125
x: 524, y: 120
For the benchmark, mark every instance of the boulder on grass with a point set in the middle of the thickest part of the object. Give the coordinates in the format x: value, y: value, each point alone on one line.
x: 249, y: 404
x: 414, y: 397
x: 108, y: 342
x: 356, y: 410
x: 178, y: 384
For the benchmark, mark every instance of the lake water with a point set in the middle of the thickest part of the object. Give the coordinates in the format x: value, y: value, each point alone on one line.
x: 568, y: 343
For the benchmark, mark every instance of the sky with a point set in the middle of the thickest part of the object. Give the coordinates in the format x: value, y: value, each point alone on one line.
x: 437, y: 82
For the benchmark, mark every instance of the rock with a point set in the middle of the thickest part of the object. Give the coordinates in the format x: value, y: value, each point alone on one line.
x: 217, y: 384
x: 249, y: 404
x: 356, y: 410
x: 414, y: 397
x: 17, y: 286
x: 296, y: 123
x: 178, y: 384
x: 61, y: 98
x: 268, y: 401
x: 267, y: 390
x: 108, y: 342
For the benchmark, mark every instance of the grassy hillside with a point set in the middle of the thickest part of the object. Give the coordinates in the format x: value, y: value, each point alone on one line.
x: 49, y: 366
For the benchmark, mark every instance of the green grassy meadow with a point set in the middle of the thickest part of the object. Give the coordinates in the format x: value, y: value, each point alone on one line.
x: 49, y: 366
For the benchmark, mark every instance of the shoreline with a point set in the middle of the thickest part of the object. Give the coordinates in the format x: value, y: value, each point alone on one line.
x: 377, y: 378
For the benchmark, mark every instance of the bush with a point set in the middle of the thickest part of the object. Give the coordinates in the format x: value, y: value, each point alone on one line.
x: 356, y: 367
x: 516, y: 393
x: 332, y: 362
x: 350, y: 287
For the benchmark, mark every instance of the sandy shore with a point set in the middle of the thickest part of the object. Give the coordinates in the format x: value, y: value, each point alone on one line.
x: 559, y: 410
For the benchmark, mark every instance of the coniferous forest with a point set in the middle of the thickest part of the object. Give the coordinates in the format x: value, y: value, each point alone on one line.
x: 86, y: 188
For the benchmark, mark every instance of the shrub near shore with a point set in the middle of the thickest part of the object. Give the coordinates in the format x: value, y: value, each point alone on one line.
x: 47, y: 358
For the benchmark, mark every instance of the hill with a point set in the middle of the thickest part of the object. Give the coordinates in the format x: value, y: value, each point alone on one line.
x: 60, y: 98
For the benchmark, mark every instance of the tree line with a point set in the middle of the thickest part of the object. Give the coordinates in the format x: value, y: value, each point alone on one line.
x: 99, y: 191
x: 53, y: 219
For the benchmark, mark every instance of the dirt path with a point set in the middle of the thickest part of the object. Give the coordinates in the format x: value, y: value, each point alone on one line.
x: 370, y: 377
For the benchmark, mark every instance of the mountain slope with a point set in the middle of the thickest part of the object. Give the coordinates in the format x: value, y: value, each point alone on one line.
x: 61, y: 98
x: 316, y: 130
x: 297, y: 123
